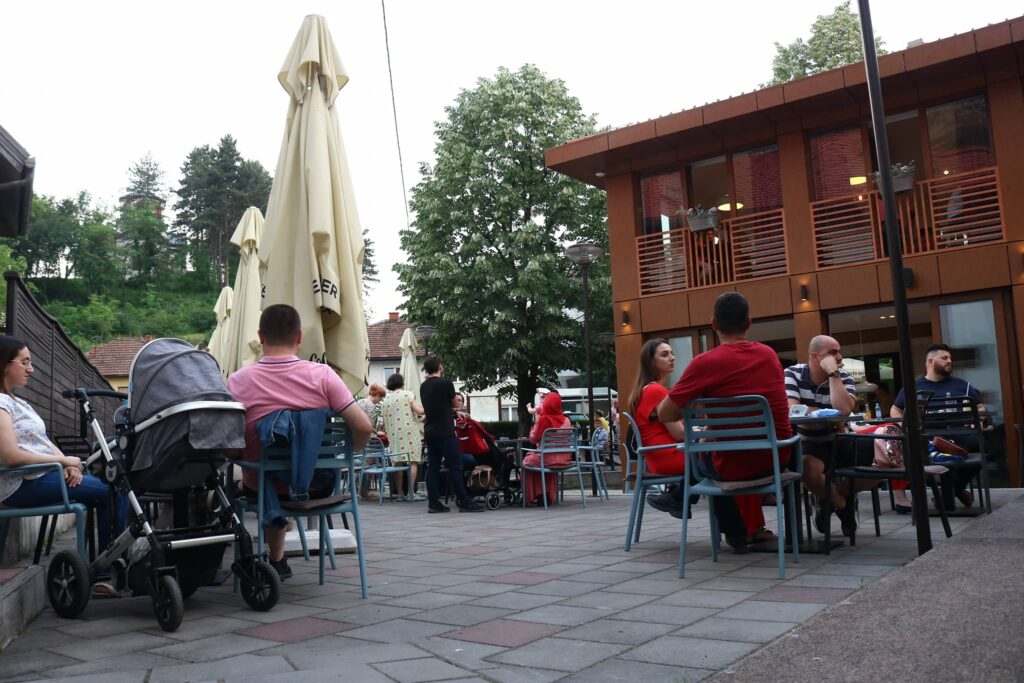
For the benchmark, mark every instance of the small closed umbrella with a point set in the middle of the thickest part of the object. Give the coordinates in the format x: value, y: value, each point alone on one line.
x: 242, y: 343
x: 222, y: 309
x: 410, y: 367
x: 312, y: 251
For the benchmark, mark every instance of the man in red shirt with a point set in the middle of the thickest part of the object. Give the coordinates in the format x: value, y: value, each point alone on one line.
x: 736, y: 367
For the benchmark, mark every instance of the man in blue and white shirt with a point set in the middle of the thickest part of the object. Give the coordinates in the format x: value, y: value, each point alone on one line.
x: 821, y: 382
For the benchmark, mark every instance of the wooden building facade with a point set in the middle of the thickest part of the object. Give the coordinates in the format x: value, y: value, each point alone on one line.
x: 789, y: 169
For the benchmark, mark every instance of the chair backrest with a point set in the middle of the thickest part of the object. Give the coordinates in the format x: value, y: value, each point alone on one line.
x: 559, y: 440
x: 736, y: 424
x: 633, y: 440
x: 951, y: 416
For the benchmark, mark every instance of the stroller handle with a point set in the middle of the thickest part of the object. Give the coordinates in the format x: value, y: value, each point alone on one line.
x: 83, y: 393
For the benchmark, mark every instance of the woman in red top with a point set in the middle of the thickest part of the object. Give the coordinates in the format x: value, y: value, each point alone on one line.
x: 548, y: 416
x: 656, y: 365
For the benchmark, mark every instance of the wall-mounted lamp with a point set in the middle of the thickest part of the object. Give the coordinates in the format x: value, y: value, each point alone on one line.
x: 625, y: 318
x: 599, y: 174
x: 804, y: 293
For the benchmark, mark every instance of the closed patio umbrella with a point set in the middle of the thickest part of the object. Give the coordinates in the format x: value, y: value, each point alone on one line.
x: 410, y: 367
x: 242, y: 343
x: 312, y: 250
x: 222, y: 309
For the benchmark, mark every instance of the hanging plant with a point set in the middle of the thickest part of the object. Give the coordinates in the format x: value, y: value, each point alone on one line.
x: 902, y: 176
x: 699, y: 219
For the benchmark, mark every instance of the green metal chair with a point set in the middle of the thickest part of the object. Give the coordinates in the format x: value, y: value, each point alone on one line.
x: 740, y: 426
x: 64, y: 507
x: 644, y: 480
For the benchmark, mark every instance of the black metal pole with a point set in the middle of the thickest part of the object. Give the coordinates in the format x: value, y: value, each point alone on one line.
x: 586, y: 356
x: 911, y: 424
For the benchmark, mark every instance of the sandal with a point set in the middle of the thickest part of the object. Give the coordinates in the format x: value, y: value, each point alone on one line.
x: 762, y: 535
x: 102, y: 589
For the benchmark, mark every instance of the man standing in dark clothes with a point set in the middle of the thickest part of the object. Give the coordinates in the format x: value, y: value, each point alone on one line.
x: 437, y: 396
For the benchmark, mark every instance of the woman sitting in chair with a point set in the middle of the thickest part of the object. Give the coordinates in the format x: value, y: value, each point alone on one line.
x: 657, y: 361
x: 23, y: 441
x: 548, y: 416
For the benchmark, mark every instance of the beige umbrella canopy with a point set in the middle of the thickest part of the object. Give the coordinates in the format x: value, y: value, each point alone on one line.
x: 242, y: 343
x: 312, y: 250
x: 222, y: 309
x: 410, y: 367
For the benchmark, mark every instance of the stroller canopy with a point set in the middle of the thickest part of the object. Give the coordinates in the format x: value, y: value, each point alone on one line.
x: 176, y: 392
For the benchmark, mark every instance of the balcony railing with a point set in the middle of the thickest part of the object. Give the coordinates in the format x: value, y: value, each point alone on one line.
x: 746, y: 247
x: 947, y: 212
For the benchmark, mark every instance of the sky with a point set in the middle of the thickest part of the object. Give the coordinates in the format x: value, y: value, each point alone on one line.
x: 89, y: 88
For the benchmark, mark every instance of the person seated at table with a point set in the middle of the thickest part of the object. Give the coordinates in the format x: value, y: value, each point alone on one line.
x: 278, y: 381
x: 819, y: 383
x: 548, y: 416
x: 23, y: 441
x: 736, y: 367
x: 657, y: 362
x: 938, y: 380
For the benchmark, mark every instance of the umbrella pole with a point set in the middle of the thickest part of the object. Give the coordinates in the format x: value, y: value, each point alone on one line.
x: 911, y: 420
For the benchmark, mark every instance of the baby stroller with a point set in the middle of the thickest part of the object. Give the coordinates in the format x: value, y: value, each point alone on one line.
x: 170, y: 437
x: 490, y: 479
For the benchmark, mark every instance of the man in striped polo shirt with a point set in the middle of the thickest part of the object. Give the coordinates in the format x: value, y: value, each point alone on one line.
x: 821, y: 382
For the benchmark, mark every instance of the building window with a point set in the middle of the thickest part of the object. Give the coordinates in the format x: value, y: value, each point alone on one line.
x: 509, y: 412
x: 390, y: 371
x: 904, y: 133
x: 758, y: 179
x: 780, y: 335
x: 837, y: 163
x: 663, y: 202
x: 959, y: 136
x: 709, y: 183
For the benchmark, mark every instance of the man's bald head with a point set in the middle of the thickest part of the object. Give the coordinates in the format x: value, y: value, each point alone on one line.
x: 821, y: 342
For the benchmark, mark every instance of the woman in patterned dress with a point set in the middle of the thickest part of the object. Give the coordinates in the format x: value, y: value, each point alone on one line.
x: 401, y: 415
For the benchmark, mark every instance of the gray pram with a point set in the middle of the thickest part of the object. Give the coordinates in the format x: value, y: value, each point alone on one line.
x: 170, y: 438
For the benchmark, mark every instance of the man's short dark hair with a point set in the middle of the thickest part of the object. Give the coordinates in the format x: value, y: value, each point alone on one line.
x: 934, y: 348
x: 732, y: 313
x: 395, y: 382
x: 280, y: 325
x: 432, y: 364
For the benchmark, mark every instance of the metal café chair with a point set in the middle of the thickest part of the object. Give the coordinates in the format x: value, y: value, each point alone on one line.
x: 635, y: 449
x: 378, y: 461
x: 958, y: 419
x: 552, y: 442
x: 595, y: 463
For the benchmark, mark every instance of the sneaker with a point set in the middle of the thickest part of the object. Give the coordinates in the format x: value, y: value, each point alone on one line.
x: 666, y: 502
x: 437, y: 508
x: 821, y: 522
x: 848, y: 517
x: 472, y: 506
x: 738, y: 544
x: 283, y: 570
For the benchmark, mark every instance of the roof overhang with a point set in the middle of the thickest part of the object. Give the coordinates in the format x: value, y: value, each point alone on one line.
x: 17, y: 170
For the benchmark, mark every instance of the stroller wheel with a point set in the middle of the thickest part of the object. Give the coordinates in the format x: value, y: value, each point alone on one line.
x: 493, y: 500
x: 262, y: 588
x: 68, y: 584
x: 168, y: 604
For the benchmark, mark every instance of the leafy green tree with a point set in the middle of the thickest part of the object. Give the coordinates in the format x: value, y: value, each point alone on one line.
x: 371, y: 276
x: 485, y: 254
x: 143, y: 236
x: 217, y: 185
x: 53, y: 229
x: 145, y: 183
x: 835, y: 41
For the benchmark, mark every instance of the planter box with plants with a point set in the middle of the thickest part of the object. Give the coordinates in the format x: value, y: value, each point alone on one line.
x: 701, y: 219
x: 902, y: 177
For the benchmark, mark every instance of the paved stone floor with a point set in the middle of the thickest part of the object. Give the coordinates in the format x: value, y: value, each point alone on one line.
x: 508, y: 595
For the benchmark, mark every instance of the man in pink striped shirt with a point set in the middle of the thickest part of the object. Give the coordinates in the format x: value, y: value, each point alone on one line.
x: 282, y: 381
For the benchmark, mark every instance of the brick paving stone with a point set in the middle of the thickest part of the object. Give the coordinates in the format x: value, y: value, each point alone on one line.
x: 522, y: 674
x: 623, y: 671
x: 348, y: 652
x: 616, y: 631
x: 427, y: 600
x: 698, y: 597
x: 280, y: 612
x: 516, y: 600
x: 561, y: 615
x: 504, y: 632
x: 460, y: 652
x: 461, y: 615
x: 103, y: 627
x: 191, y: 628
x: 771, y: 611
x: 138, y: 661
x: 246, y: 665
x: 421, y: 670
x: 693, y: 653
x: 367, y: 613
x: 524, y: 578
x: 358, y: 672
x: 35, y: 640
x: 742, y: 630
x: 604, y: 600
x: 216, y: 647
x: 294, y: 630
x: 725, y: 583
x: 559, y: 654
x: 767, y: 572
x: 398, y: 631
x: 846, y: 569
x: 644, y: 586
x: 476, y: 588
x: 27, y: 662
x: 84, y: 649
x: 829, y: 581
x: 827, y: 596
x: 567, y: 589
x: 666, y: 614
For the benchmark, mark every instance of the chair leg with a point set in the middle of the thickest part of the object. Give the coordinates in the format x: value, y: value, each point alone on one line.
x: 942, y: 508
x: 716, y: 536
x: 80, y: 518
x: 53, y: 531
x: 324, y: 527
x: 583, y: 494
x: 892, y: 496
x: 6, y: 523
x: 301, y: 528
x: 320, y: 554
x: 40, y: 539
x: 876, y: 510
x: 806, y: 499
x: 359, y: 551
x: 682, y: 537
x: 642, y: 491
x: 793, y: 523
x: 629, y: 527
x: 544, y: 488
x: 344, y: 520
x: 780, y: 521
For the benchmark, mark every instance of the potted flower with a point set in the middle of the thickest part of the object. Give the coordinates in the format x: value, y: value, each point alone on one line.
x: 902, y: 177
x: 700, y: 219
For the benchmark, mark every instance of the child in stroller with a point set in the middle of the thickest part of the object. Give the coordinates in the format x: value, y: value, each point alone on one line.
x: 490, y: 474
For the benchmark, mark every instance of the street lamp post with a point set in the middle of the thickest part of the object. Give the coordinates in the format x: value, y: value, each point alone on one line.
x: 911, y: 425
x: 583, y: 254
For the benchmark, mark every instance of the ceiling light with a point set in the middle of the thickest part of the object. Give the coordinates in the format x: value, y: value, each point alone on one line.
x: 858, y: 180
x: 599, y: 174
x: 945, y: 171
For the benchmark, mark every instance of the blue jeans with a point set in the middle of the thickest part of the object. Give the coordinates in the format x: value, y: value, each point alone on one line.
x: 91, y: 492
